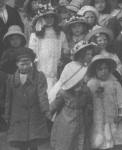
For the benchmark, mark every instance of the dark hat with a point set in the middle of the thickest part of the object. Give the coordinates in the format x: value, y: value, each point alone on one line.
x: 24, y: 52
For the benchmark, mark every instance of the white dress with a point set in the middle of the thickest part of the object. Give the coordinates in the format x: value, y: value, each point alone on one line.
x: 48, y: 51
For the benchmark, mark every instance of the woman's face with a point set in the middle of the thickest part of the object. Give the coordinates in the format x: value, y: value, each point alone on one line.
x: 102, y: 72
x: 24, y: 66
x: 15, y: 41
x: 100, y: 5
x: 91, y: 18
x: 77, y: 29
x: 49, y: 20
x: 102, y: 41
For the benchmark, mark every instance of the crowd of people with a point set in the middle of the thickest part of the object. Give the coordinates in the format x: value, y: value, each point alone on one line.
x: 61, y: 74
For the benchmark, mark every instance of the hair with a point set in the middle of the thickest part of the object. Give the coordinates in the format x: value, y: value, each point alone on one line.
x: 28, y: 9
x: 81, y: 54
x: 69, y: 33
x: 107, y: 9
x: 56, y: 28
x: 93, y: 69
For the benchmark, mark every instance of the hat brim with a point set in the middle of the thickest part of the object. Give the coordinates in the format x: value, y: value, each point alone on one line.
x: 99, y: 31
x: 74, y: 79
x: 9, y: 34
x: 92, y: 67
x: 83, y: 49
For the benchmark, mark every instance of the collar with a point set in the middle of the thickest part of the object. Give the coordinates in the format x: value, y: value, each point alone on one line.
x: 30, y: 79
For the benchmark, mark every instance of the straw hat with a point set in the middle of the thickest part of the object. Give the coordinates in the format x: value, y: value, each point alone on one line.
x: 82, y: 45
x: 98, y: 30
x: 99, y: 59
x: 75, y: 5
x: 85, y: 9
x: 71, y: 75
x: 75, y: 19
x: 15, y: 30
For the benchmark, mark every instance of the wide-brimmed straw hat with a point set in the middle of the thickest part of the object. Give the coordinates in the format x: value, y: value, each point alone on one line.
x: 15, y: 30
x: 75, y: 19
x: 86, y: 8
x: 71, y: 75
x: 98, y: 30
x: 98, y: 59
x: 82, y: 46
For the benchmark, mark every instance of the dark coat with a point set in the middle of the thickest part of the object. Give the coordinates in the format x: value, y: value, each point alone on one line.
x: 13, y: 19
x: 69, y: 128
x: 27, y: 106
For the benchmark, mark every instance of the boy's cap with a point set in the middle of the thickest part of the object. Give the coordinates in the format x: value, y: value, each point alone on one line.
x: 24, y: 52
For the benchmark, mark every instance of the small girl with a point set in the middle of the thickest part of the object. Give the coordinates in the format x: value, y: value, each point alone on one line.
x: 103, y: 37
x: 76, y: 29
x: 49, y: 43
x: 26, y: 104
x: 13, y: 40
x: 91, y: 15
x: 71, y: 103
x: 106, y: 91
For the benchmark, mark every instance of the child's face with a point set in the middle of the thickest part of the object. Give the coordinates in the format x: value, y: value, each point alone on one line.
x: 90, y: 17
x: 102, y: 72
x: 100, y: 5
x: 88, y: 56
x: 15, y: 41
x: 77, y: 29
x: 49, y: 19
x: 24, y: 66
x: 102, y: 41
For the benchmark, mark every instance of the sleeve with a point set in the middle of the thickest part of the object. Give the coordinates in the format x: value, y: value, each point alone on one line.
x: 58, y: 103
x: 33, y: 43
x: 8, y: 98
x: 42, y: 93
x: 65, y: 47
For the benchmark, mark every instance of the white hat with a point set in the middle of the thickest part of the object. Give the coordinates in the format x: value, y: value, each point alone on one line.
x: 74, y: 5
x: 82, y: 45
x: 71, y: 75
x: 15, y: 30
x: 98, y: 30
x: 86, y: 8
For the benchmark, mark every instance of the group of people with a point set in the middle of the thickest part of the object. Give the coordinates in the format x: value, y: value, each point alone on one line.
x: 61, y: 74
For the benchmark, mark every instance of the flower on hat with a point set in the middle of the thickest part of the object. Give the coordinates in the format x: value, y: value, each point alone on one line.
x: 75, y: 19
x: 86, y: 8
x: 81, y: 45
x: 43, y: 9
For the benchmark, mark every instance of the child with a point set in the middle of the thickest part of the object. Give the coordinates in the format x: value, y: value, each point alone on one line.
x: 76, y: 29
x: 91, y: 15
x: 103, y: 7
x: 104, y: 37
x: 106, y: 91
x: 26, y: 103
x: 13, y: 40
x: 49, y: 43
x: 68, y: 131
